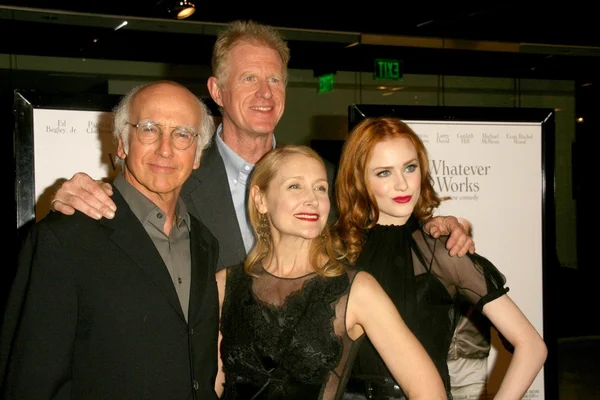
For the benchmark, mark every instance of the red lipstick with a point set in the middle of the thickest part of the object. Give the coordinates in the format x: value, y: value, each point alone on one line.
x: 307, y: 216
x: 402, y: 199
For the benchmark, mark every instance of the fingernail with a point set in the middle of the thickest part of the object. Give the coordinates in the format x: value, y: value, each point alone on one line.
x: 110, y: 214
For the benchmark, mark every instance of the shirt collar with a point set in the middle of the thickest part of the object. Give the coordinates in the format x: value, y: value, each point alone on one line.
x: 233, y: 162
x: 142, y: 207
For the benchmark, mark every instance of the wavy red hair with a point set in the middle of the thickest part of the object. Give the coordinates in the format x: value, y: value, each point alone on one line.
x: 357, y: 207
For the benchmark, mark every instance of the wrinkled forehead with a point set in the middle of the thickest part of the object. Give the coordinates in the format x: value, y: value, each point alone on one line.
x: 245, y: 53
x: 300, y: 166
x: 170, y: 106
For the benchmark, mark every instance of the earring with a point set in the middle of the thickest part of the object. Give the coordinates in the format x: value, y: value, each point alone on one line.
x: 263, y: 228
x: 322, y: 237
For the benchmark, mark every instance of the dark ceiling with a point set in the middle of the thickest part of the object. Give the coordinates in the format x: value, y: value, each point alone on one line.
x: 552, y: 42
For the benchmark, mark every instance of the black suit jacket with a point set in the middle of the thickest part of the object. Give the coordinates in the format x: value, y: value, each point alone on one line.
x: 207, y: 196
x: 96, y: 314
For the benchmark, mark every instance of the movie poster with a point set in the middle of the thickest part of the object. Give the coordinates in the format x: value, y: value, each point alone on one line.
x: 66, y: 142
x: 492, y: 173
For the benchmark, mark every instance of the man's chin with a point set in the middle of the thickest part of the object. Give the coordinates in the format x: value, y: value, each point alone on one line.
x: 263, y: 126
x: 263, y: 131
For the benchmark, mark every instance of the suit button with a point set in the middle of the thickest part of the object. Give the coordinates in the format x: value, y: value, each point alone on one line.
x: 196, y: 386
x: 191, y: 331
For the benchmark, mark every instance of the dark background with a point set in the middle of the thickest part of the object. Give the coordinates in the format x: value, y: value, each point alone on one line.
x: 544, y: 41
x: 550, y: 35
x: 533, y: 40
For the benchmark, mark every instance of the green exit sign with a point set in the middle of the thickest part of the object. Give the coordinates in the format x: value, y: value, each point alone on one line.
x: 325, y: 83
x: 389, y: 70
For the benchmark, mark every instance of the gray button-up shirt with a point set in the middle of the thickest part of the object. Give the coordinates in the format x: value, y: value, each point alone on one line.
x: 174, y: 248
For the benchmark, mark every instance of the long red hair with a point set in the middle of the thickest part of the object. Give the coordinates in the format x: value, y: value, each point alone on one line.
x: 357, y: 207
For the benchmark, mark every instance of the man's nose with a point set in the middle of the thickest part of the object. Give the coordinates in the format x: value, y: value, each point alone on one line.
x: 165, y: 146
x: 264, y: 90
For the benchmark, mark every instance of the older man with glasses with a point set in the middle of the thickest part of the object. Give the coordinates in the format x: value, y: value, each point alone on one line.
x: 123, y: 308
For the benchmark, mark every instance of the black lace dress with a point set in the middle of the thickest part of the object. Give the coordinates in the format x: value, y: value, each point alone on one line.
x: 424, y: 283
x: 285, y: 338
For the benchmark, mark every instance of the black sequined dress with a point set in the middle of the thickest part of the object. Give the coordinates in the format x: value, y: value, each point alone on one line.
x: 285, y: 338
x: 424, y: 283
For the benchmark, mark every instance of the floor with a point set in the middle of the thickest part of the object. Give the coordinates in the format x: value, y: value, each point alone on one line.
x: 578, y: 362
x: 578, y: 331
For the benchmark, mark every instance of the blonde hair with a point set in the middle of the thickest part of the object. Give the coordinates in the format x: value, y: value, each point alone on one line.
x: 249, y: 32
x: 321, y: 248
x: 357, y: 206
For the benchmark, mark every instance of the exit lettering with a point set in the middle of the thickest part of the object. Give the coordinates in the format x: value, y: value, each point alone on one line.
x: 387, y: 70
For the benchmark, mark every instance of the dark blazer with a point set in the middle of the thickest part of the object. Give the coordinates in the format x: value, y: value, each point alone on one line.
x: 207, y: 196
x: 100, y: 318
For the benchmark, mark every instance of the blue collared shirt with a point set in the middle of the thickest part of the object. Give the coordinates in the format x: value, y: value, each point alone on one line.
x: 238, y: 173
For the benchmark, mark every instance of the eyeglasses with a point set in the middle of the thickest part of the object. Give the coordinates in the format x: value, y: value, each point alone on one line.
x: 149, y: 132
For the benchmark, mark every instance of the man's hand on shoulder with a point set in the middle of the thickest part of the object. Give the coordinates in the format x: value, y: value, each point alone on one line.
x: 86, y: 195
x: 459, y: 241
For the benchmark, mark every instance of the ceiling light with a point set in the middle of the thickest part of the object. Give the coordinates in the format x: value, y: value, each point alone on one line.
x: 122, y: 24
x: 183, y: 8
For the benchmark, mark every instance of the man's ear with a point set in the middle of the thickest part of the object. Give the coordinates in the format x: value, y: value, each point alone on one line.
x: 197, y: 160
x: 214, y: 90
x: 259, y: 199
x: 120, y: 150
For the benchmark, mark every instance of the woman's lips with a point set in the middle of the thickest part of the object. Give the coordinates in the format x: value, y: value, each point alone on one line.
x: 402, y: 199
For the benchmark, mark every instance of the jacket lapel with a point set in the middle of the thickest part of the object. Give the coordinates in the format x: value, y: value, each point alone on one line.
x: 199, y: 276
x: 131, y: 237
x: 208, y: 197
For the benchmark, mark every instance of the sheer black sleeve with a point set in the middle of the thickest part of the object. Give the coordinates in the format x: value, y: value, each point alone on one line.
x: 472, y: 276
